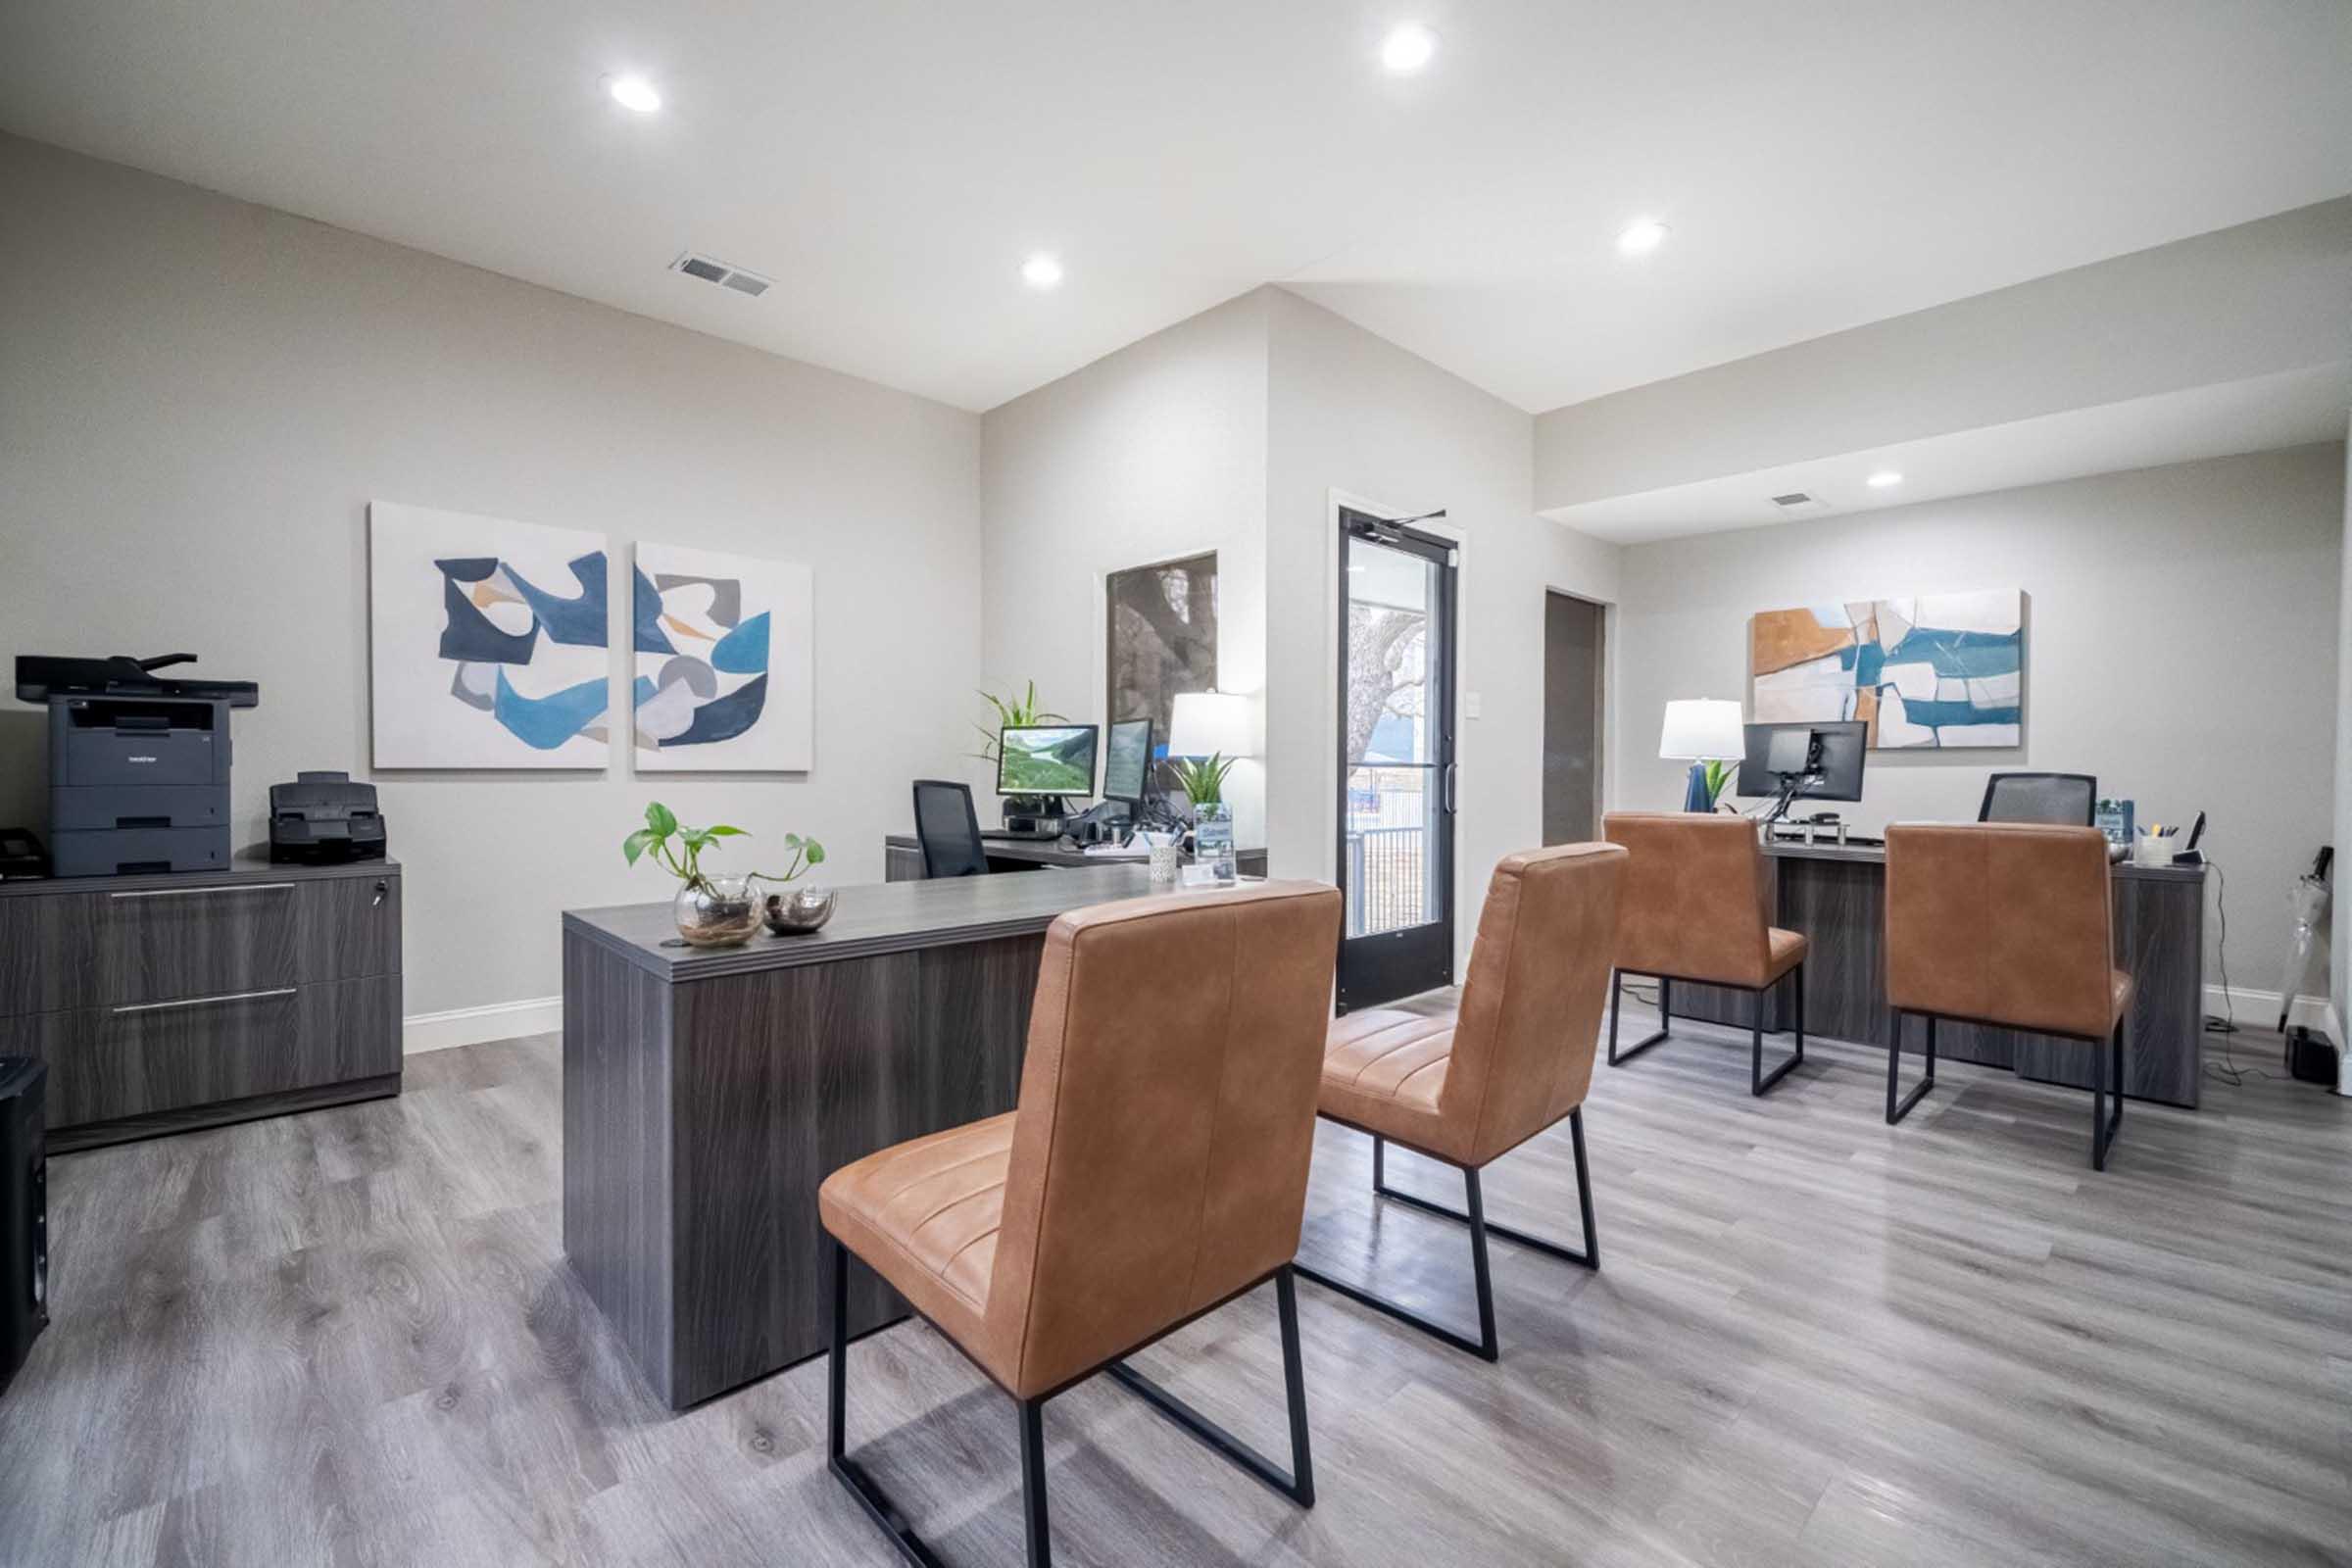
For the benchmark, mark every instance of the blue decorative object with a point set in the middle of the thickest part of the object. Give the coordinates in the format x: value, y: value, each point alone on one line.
x: 1696, y: 796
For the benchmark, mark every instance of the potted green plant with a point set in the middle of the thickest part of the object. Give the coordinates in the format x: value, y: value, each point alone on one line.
x: 712, y: 909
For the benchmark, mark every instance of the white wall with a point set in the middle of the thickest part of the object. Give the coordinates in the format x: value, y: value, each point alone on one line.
x: 1233, y: 430
x: 2340, y: 969
x: 1353, y: 413
x: 1155, y: 451
x: 2182, y: 638
x: 198, y: 398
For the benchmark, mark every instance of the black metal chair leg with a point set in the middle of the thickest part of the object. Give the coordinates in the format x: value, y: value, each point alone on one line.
x: 1896, y: 1109
x: 1758, y: 1080
x: 1380, y: 1162
x: 1299, y: 1485
x: 851, y: 1475
x: 1033, y: 1484
x: 1584, y: 1202
x: 2107, y: 1077
x: 1489, y: 1348
x: 1800, y: 1010
x: 1617, y: 1058
x: 1590, y: 1257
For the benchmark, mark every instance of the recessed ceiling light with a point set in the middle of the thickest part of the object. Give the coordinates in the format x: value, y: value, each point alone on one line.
x: 1042, y: 272
x: 1883, y: 479
x: 1641, y: 236
x: 1408, y: 48
x: 633, y: 92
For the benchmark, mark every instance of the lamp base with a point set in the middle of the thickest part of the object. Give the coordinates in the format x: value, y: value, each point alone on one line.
x: 1698, y: 797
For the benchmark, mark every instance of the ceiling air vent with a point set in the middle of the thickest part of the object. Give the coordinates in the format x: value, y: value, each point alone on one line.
x: 1795, y: 498
x: 712, y: 271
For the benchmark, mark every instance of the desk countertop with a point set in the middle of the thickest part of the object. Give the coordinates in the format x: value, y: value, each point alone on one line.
x: 1875, y: 855
x: 868, y: 920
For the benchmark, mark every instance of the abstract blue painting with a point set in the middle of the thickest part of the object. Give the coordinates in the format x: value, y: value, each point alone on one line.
x: 488, y: 642
x: 1942, y: 670
x: 725, y: 661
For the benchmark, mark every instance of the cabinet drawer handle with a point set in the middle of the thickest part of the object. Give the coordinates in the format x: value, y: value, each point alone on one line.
x: 198, y: 893
x: 205, y: 1002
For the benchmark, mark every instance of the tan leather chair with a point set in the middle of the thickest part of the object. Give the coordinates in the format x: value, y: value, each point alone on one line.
x: 1156, y: 1169
x: 1514, y: 1059
x: 1698, y: 907
x: 2006, y: 924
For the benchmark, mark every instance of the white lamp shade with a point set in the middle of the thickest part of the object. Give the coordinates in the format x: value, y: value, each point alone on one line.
x: 1699, y: 728
x: 1209, y: 724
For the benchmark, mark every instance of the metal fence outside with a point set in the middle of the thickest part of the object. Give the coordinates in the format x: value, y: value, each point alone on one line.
x: 1388, y: 879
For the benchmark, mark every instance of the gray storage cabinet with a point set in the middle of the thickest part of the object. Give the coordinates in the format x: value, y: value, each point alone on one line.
x: 192, y: 999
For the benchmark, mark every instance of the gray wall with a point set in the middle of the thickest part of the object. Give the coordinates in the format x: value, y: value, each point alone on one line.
x: 198, y: 398
x: 2182, y: 638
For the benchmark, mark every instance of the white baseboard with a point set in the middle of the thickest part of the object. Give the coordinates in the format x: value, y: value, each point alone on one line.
x: 471, y: 1026
x: 2260, y: 1008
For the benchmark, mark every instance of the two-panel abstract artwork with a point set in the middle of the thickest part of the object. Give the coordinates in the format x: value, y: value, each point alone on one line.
x: 490, y: 649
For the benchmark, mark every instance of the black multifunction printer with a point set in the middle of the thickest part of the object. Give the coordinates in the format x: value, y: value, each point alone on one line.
x: 139, y: 765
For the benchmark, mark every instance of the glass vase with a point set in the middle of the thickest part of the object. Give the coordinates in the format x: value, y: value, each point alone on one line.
x: 717, y: 911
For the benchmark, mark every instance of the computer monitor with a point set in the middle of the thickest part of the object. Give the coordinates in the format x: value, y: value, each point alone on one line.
x: 1829, y: 753
x: 1046, y: 759
x: 1127, y: 761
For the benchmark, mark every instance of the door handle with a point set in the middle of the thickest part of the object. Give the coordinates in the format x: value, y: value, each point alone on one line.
x: 205, y: 1002
x: 1453, y: 776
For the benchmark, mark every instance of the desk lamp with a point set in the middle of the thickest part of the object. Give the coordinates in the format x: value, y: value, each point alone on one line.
x: 1706, y: 733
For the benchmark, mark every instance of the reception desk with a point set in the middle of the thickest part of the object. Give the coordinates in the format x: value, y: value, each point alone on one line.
x: 708, y: 1092
x: 1836, y: 896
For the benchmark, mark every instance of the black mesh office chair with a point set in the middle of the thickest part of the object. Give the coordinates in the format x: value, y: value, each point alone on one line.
x: 948, y: 829
x: 2068, y: 799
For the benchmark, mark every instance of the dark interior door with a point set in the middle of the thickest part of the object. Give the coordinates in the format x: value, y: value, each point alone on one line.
x: 1396, y: 761
x: 1572, y: 697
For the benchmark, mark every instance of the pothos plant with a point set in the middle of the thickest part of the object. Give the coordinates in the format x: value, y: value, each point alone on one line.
x: 679, y: 850
x: 1013, y: 713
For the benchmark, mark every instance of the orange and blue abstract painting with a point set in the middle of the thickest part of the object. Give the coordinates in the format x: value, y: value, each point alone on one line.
x: 1940, y: 671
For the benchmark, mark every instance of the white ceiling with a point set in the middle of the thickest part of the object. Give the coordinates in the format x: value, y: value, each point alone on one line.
x: 2256, y: 415
x: 1822, y: 163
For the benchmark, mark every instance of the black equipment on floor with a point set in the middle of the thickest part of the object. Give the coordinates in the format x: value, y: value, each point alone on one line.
x: 325, y: 819
x: 23, y: 1211
x: 2310, y: 1058
x: 21, y: 854
x: 138, y: 765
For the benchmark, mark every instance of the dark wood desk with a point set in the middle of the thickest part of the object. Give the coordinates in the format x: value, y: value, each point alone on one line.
x: 902, y: 857
x: 1837, y: 896
x: 708, y: 1092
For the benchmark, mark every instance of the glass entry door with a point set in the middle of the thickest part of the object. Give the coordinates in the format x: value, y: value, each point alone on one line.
x: 1397, y: 773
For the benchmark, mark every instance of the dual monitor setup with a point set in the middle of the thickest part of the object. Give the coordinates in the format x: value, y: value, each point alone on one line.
x: 1045, y: 763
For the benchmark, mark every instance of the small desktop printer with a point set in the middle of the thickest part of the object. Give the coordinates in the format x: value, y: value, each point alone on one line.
x: 325, y: 819
x: 139, y: 765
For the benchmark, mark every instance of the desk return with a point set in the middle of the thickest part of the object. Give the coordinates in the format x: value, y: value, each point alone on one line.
x: 1837, y: 895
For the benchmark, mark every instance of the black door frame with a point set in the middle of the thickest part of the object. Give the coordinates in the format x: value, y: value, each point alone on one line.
x: 1390, y: 964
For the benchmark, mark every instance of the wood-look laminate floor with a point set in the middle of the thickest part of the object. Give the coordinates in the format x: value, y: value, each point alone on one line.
x: 349, y: 1338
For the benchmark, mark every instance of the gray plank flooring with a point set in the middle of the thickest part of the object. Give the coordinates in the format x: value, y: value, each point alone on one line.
x: 348, y: 1338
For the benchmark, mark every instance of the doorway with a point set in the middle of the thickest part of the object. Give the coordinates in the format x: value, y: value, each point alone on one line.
x: 1397, y: 759
x: 1574, y: 638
